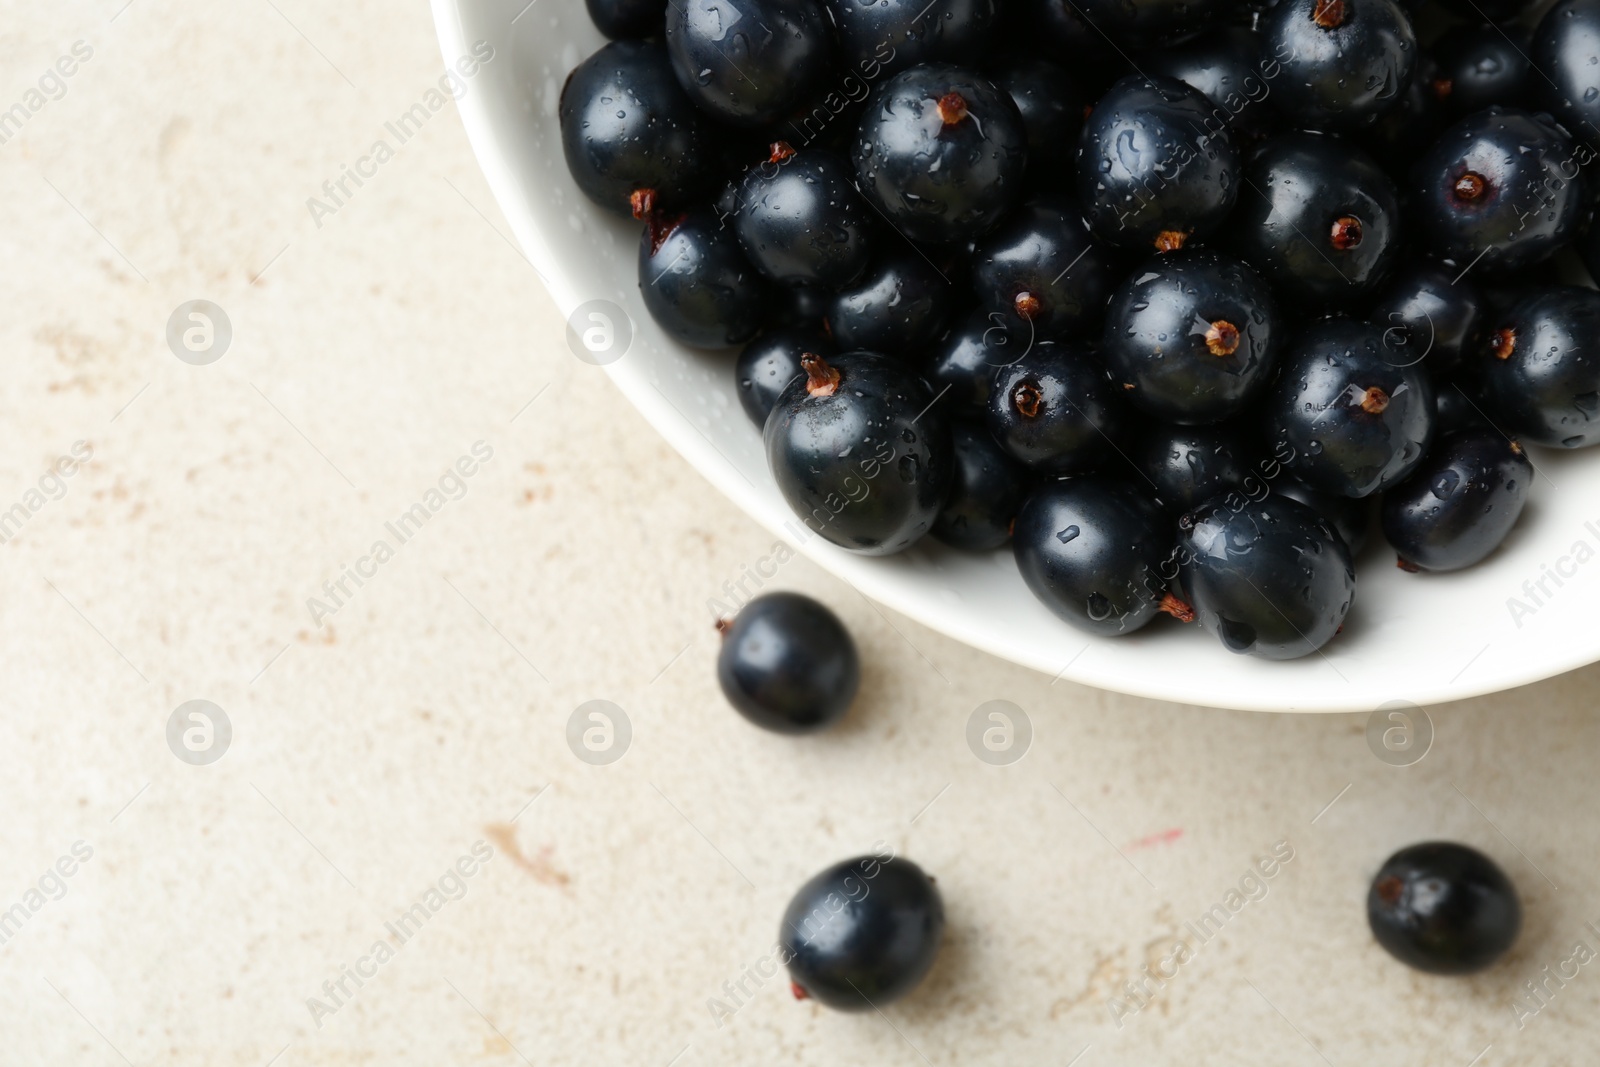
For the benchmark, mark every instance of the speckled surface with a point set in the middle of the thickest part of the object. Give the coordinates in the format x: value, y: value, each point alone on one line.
x: 372, y: 749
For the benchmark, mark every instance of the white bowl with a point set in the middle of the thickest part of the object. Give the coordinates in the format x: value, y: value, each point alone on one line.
x: 1417, y: 638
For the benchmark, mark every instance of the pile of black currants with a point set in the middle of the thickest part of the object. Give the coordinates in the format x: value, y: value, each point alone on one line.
x: 1171, y: 295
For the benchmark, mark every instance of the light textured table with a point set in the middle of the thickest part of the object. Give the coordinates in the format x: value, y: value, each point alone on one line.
x: 371, y: 748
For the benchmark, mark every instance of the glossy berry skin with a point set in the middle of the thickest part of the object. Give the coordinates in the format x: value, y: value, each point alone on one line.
x: 1429, y: 314
x: 1051, y: 106
x: 1054, y: 411
x: 800, y: 220
x: 862, y: 933
x: 627, y: 19
x: 1502, y: 188
x: 788, y: 664
x: 1351, y: 518
x: 1460, y: 504
x: 768, y: 364
x: 1495, y: 10
x: 1091, y: 550
x: 1270, y: 578
x: 751, y: 62
x: 1153, y: 165
x: 627, y: 126
x: 1153, y: 22
x: 1342, y: 417
x: 899, y: 306
x: 941, y: 152
x: 865, y: 461
x: 1345, y: 62
x: 965, y: 360
x: 889, y: 36
x: 985, y: 493
x: 1443, y: 908
x: 1195, y: 333
x: 1188, y: 465
x: 1223, y: 65
x: 1566, y: 53
x: 1041, y: 273
x: 1538, y: 368
x: 1480, y: 66
x: 1317, y: 217
x: 696, y: 283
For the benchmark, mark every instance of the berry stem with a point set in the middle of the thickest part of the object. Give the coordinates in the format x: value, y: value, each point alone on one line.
x: 781, y: 151
x: 1178, y: 609
x: 1346, y: 233
x: 821, y: 379
x: 1470, y: 186
x: 1028, y: 305
x: 1406, y: 565
x: 1222, y: 338
x: 1170, y: 240
x: 1374, y: 401
x: 1503, y: 342
x: 952, y: 108
x: 799, y: 991
x: 1329, y: 14
x: 1028, y: 399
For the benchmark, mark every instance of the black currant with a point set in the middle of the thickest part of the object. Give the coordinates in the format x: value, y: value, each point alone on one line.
x: 1041, y: 273
x: 1093, y: 550
x: 1538, y: 368
x: 1429, y: 314
x: 899, y: 306
x: 1155, y: 167
x: 800, y: 220
x: 1501, y: 190
x: 1054, y: 410
x: 941, y: 152
x: 1192, y: 336
x: 1343, y: 417
x: 1269, y: 578
x: 985, y: 492
x: 965, y: 361
x: 696, y: 283
x: 768, y: 364
x: 1460, y: 503
x: 627, y: 128
x: 788, y: 664
x: 1566, y: 57
x: 1345, y: 62
x: 860, y: 451
x: 750, y: 63
x: 1443, y: 908
x: 1318, y: 217
x: 1188, y: 465
x: 862, y: 933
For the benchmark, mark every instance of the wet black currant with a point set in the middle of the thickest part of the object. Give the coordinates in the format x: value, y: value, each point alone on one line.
x: 1501, y: 190
x: 1092, y: 550
x: 987, y: 489
x: 1317, y: 217
x: 1344, y: 62
x: 1192, y: 336
x: 627, y: 128
x: 1269, y: 578
x: 1040, y: 274
x: 1054, y: 410
x: 860, y: 451
x: 748, y: 64
x: 1155, y: 167
x: 898, y: 306
x: 800, y: 220
x: 695, y: 281
x: 1538, y: 368
x: 1460, y: 504
x: 768, y: 364
x: 941, y: 152
x: 1343, y: 417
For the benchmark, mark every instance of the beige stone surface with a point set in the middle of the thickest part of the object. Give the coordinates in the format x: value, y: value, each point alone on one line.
x: 372, y: 749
